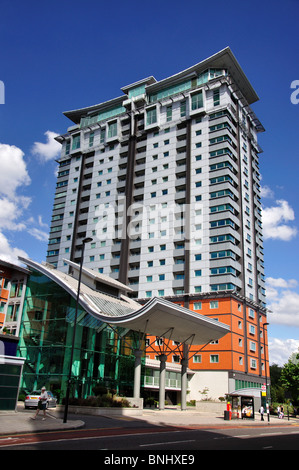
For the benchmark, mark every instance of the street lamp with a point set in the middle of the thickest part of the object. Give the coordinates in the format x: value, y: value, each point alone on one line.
x: 85, y: 240
x: 263, y: 326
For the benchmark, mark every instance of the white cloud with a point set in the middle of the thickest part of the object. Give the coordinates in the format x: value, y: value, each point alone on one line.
x: 48, y: 151
x: 9, y: 214
x: 280, y: 282
x: 280, y: 350
x: 284, y: 308
x: 275, y: 221
x: 38, y: 234
x: 282, y: 301
x: 13, y: 175
x: 9, y: 253
x: 41, y: 223
x: 13, y: 170
x: 13, y: 206
x: 266, y: 192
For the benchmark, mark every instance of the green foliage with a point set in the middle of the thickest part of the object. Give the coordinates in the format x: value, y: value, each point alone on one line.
x: 277, y: 391
x: 107, y: 401
x: 290, y: 380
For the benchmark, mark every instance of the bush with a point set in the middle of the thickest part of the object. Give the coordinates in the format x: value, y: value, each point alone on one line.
x: 191, y: 403
x: 106, y: 401
x: 99, y: 390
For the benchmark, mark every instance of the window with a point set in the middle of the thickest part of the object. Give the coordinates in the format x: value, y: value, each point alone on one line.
x: 252, y: 330
x: 76, y: 142
x: 151, y: 116
x: 112, y: 129
x: 214, y: 304
x: 67, y: 147
x: 168, y: 113
x: 251, y: 313
x: 214, y: 358
x: 197, y: 305
x: 183, y: 109
x: 223, y: 270
x: 91, y: 139
x: 12, y: 312
x: 196, y: 101
x: 16, y: 289
x: 102, y: 135
x: 179, y: 276
x: 253, y: 363
x: 197, y: 359
x: 216, y: 97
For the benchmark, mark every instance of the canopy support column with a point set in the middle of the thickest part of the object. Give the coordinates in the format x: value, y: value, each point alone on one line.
x: 137, y: 373
x: 184, y: 363
x: 162, y: 358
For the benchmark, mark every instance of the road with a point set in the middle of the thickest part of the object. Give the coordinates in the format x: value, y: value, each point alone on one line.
x: 115, y: 440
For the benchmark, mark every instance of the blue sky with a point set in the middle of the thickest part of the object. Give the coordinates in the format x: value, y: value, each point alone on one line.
x: 57, y: 56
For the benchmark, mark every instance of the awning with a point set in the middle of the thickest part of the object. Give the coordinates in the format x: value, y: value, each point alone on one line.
x: 158, y: 317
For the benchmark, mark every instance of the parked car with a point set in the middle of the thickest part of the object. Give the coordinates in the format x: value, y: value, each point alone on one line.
x: 31, y: 400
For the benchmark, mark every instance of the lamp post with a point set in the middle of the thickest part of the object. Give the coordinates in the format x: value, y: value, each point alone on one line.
x: 268, y: 411
x: 67, y: 396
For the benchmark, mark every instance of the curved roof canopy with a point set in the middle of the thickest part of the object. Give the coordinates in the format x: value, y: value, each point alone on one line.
x: 158, y: 317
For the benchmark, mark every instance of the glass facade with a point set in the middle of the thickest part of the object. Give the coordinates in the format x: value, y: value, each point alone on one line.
x: 102, y: 354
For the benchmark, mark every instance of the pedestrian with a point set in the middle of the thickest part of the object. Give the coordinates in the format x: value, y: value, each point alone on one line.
x: 262, y: 412
x: 42, y: 403
x: 278, y: 411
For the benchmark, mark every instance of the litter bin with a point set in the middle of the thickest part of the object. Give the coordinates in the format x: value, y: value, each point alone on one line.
x: 227, y: 415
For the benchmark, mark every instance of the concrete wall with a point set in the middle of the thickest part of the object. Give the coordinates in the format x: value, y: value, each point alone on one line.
x: 215, y: 383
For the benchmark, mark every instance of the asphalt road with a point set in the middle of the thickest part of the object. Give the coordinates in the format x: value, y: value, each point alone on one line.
x: 137, y: 438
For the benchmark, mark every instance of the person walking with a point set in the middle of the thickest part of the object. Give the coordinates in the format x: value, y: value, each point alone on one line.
x: 262, y: 412
x: 42, y: 403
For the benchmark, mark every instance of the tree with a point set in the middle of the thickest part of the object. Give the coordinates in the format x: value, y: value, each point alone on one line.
x: 276, y: 389
x: 290, y: 379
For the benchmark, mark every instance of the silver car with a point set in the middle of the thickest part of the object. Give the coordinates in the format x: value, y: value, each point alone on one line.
x: 31, y: 400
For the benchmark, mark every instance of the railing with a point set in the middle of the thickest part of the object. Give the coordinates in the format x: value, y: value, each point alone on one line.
x: 169, y: 383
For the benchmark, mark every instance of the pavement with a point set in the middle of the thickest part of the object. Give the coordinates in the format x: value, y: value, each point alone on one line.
x: 20, y: 422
